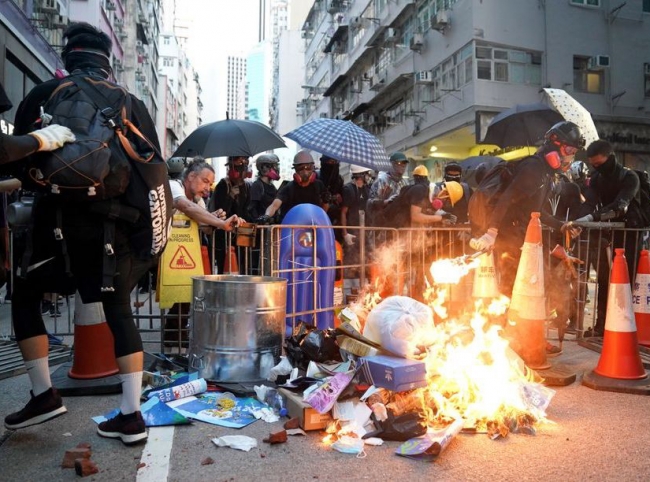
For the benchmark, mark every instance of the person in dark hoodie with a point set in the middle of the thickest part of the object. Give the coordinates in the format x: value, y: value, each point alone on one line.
x: 527, y: 192
x: 87, y: 51
x: 612, y: 195
x: 329, y: 174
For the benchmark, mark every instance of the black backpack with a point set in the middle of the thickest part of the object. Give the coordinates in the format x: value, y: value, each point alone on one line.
x: 111, y: 165
x: 486, y: 196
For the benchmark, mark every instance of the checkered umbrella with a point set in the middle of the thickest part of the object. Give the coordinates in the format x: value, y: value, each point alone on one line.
x: 342, y: 140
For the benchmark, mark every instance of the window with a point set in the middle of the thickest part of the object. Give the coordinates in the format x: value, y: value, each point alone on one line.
x: 585, y: 79
x: 504, y: 65
x: 646, y: 6
x: 646, y: 83
x: 591, y: 3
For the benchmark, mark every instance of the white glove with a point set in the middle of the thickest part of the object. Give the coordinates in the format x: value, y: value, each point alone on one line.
x: 485, y: 242
x: 349, y: 239
x: 52, y: 137
x: 585, y: 219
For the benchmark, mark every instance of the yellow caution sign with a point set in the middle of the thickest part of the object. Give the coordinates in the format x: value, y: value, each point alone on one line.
x: 179, y: 262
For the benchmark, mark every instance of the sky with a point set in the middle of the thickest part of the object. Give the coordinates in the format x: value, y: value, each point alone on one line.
x: 219, y: 28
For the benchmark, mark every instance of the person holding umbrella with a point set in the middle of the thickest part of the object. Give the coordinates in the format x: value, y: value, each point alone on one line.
x: 305, y: 188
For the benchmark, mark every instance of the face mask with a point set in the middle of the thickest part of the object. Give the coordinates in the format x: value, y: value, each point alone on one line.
x: 304, y: 177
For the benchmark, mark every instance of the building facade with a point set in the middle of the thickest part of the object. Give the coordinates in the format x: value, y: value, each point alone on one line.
x: 429, y: 75
x: 236, y: 88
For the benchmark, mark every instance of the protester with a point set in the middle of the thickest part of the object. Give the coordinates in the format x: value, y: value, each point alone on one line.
x: 453, y: 172
x: 305, y: 188
x: 87, y: 50
x: 386, y: 187
x: 612, y: 195
x: 263, y: 191
x: 175, y: 167
x: 232, y: 195
x: 355, y: 196
x: 329, y: 175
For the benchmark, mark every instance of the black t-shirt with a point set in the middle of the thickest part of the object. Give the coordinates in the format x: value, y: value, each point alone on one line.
x: 232, y: 199
x: 293, y: 194
x: 355, y: 200
x: 262, y: 195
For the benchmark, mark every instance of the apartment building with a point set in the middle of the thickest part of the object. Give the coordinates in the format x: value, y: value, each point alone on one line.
x: 427, y: 76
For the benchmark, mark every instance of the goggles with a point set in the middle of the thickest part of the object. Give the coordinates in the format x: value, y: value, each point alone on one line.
x: 304, y: 167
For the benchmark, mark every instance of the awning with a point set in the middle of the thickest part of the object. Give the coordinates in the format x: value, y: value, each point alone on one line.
x: 338, y: 81
x: 338, y: 34
x: 358, y: 110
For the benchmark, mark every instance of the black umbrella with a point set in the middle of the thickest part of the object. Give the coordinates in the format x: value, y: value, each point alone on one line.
x: 230, y: 137
x: 521, y: 125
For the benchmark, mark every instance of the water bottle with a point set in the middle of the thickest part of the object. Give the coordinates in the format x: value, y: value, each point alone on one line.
x: 274, y: 400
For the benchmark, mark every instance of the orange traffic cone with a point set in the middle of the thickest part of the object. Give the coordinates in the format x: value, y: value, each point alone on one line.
x: 485, y: 279
x: 527, y: 311
x: 205, y: 257
x: 641, y: 299
x: 231, y: 265
x: 94, y: 353
x: 620, y: 357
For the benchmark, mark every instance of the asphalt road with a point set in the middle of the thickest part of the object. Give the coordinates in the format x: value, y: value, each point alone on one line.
x: 594, y: 435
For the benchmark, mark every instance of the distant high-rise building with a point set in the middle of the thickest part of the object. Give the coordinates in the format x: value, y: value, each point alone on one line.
x: 236, y: 96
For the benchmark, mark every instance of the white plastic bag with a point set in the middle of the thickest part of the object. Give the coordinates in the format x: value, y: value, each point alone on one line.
x: 395, y: 323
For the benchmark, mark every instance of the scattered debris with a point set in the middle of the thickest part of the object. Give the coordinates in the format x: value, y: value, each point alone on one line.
x: 85, y: 467
x: 238, y: 442
x: 292, y: 423
x: 276, y: 437
x: 74, y: 454
x: 207, y: 461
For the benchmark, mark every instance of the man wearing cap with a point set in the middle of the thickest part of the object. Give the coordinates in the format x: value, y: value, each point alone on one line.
x: 355, y: 196
x: 386, y: 188
x: 303, y: 189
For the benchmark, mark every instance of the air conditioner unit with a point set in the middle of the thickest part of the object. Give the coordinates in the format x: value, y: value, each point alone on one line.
x: 48, y: 6
x: 118, y: 22
x: 598, y: 62
x: 334, y: 6
x: 142, y: 18
x: 356, y: 23
x: 424, y: 77
x: 377, y: 82
x: 139, y: 45
x: 323, y: 115
x: 441, y: 21
x: 392, y: 35
x: 306, y: 34
x: 357, y: 85
x: 60, y: 21
x: 110, y: 5
x: 118, y: 65
x: 646, y: 69
x: 417, y: 42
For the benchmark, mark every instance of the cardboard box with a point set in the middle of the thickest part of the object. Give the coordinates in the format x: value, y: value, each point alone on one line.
x: 393, y: 373
x: 309, y: 418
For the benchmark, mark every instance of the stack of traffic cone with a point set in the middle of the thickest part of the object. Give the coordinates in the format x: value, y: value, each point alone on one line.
x: 641, y: 299
x: 619, y: 368
x: 486, y: 285
x: 94, y: 352
x: 527, y: 312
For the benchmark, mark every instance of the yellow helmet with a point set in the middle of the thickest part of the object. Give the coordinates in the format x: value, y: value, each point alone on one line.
x: 421, y: 171
x: 454, y: 190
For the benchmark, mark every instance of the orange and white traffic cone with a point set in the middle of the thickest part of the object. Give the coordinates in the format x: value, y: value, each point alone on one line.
x: 527, y: 311
x: 641, y: 299
x: 486, y: 285
x: 205, y: 258
x: 620, y: 357
x: 94, y: 352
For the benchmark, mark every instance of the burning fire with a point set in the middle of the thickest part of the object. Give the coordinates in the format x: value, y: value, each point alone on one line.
x: 472, y: 373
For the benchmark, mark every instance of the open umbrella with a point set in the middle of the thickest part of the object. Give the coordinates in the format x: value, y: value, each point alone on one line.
x: 472, y: 164
x: 573, y: 111
x: 521, y: 125
x: 342, y: 140
x: 230, y: 137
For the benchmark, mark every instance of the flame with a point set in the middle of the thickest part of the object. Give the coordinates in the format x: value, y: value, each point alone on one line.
x: 472, y: 374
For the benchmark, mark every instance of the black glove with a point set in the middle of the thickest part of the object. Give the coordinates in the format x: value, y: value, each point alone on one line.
x: 264, y: 219
x: 326, y: 197
x: 451, y: 218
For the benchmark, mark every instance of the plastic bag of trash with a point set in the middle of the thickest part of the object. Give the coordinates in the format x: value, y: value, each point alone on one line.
x: 395, y: 322
x: 320, y: 346
x: 402, y: 428
x: 292, y: 345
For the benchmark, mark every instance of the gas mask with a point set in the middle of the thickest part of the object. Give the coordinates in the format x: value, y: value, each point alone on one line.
x: 239, y: 171
x: 304, y: 174
x: 270, y: 171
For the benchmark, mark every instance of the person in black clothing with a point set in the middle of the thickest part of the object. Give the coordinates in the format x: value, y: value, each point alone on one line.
x: 453, y: 172
x: 86, y: 51
x: 303, y: 189
x: 354, y: 198
x: 263, y: 191
x: 232, y: 194
x: 329, y: 174
x: 527, y: 192
x: 612, y: 195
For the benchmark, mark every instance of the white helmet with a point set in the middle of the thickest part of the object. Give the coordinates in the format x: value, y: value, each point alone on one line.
x: 358, y: 169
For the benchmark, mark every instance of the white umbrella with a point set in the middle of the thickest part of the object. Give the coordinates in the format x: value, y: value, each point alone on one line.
x: 573, y: 111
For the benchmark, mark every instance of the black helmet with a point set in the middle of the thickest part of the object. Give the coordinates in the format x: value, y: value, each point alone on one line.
x: 566, y: 133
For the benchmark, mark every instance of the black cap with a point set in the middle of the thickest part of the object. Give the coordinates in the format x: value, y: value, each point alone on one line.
x: 398, y: 156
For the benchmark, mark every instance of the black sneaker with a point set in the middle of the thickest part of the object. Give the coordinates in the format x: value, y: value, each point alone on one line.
x: 39, y: 409
x: 129, y: 428
x: 46, y: 306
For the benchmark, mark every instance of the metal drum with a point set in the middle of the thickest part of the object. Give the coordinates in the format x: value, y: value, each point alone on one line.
x: 236, y: 326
